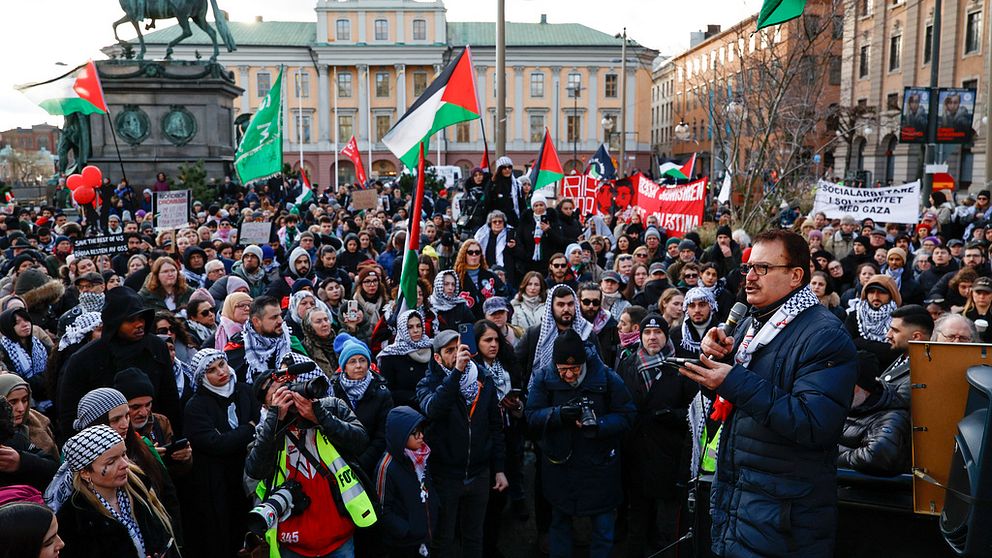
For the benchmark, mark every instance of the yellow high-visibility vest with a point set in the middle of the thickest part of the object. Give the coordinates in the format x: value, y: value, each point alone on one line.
x: 356, y: 500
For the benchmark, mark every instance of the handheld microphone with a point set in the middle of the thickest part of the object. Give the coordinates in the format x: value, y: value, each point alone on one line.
x: 738, y: 311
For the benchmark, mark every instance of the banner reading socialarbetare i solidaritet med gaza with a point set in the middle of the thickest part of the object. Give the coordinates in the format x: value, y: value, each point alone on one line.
x: 893, y: 204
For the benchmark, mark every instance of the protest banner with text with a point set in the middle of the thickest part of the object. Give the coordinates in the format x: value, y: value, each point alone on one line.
x: 582, y: 190
x: 679, y: 208
x: 893, y: 204
x: 172, y: 210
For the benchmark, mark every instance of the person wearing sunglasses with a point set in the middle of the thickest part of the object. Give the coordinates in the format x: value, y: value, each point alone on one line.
x: 604, y: 325
x: 476, y: 279
x: 559, y: 272
x: 201, y: 318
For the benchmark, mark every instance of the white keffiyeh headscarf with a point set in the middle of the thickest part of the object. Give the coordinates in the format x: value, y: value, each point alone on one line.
x: 80, y: 452
x: 441, y: 302
x: 77, y: 330
x: 403, y: 345
x: 694, y: 294
x: 549, y: 329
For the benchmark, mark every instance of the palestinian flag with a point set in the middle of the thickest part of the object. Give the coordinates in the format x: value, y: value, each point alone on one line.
x: 684, y: 172
x: 411, y: 256
x: 774, y: 12
x: 448, y: 100
x: 306, y: 193
x: 76, y: 91
x: 547, y: 168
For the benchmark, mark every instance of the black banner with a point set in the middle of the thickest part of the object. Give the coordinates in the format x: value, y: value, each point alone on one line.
x: 109, y: 244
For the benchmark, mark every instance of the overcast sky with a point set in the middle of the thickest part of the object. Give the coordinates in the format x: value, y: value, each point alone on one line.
x: 37, y: 34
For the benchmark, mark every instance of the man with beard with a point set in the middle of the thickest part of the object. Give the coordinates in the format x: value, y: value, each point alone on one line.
x: 700, y: 309
x: 534, y: 350
x: 119, y: 262
x: 653, y: 447
x: 266, y: 339
x: 154, y: 427
x: 871, y: 315
x: 909, y: 323
x: 298, y: 267
x: 504, y: 192
x: 604, y: 326
x: 974, y: 257
x: 250, y: 269
x: 559, y: 272
x: 128, y: 340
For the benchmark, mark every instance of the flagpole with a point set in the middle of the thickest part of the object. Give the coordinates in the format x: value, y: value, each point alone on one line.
x: 299, y: 108
x: 335, y: 124
x: 117, y: 148
x: 368, y: 119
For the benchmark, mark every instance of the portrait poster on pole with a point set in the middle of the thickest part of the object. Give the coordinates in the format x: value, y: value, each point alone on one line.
x: 955, y: 110
x: 915, y: 115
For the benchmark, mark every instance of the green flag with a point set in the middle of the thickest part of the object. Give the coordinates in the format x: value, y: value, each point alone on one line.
x: 259, y: 154
x: 774, y: 12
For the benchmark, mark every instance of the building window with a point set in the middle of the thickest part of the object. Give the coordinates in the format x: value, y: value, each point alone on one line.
x: 420, y: 30
x: 304, y: 123
x: 863, y: 61
x: 970, y: 84
x: 537, y: 84
x: 344, y: 85
x: 342, y: 29
x: 574, y: 125
x: 419, y: 83
x: 346, y: 127
x: 536, y: 128
x: 835, y: 70
x: 610, y: 85
x: 381, y: 30
x: 895, y: 52
x: 302, y: 84
x: 864, y: 8
x: 381, y: 126
x: 263, y: 82
x: 462, y: 131
x: 892, y: 101
x: 574, y: 83
x: 382, y: 84
x: 838, y: 27
x: 928, y: 44
x: 972, y: 32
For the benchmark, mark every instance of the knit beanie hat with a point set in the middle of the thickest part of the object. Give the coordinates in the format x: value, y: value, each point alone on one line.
x: 568, y: 349
x: 674, y: 240
x: 133, y: 382
x: 350, y: 347
x: 201, y: 294
x: 268, y: 253
x: 503, y: 161
x: 29, y: 281
x: 687, y: 245
x: 254, y: 250
x: 95, y: 404
x: 723, y: 230
x: 654, y: 321
x: 652, y: 232
x: 538, y: 197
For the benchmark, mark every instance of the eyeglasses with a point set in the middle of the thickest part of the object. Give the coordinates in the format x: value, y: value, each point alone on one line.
x: 690, y: 276
x: 955, y: 338
x: 559, y: 266
x: 242, y: 305
x: 164, y: 330
x: 760, y: 268
x: 473, y: 252
x: 640, y: 255
x: 497, y: 221
x: 591, y: 302
x: 575, y: 369
x: 370, y: 282
x: 206, y: 312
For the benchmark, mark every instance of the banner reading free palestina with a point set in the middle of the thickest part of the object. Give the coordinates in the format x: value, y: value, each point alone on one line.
x: 894, y: 204
x: 679, y: 208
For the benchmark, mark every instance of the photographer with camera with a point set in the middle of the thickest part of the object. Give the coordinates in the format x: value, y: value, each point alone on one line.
x: 303, y: 466
x: 580, y: 409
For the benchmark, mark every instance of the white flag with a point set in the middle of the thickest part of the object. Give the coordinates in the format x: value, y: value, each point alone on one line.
x: 724, y: 196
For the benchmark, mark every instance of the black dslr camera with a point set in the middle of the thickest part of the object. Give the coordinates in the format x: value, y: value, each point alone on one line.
x: 281, y: 504
x: 314, y: 388
x: 581, y: 409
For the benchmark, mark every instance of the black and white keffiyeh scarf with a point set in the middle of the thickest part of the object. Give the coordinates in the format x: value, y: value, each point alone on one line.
x: 79, y: 452
x: 260, y: 350
x: 25, y: 365
x: 755, y: 339
x: 873, y: 324
x: 440, y: 301
x: 549, y: 330
x: 125, y: 518
x: 355, y: 389
x: 403, y: 345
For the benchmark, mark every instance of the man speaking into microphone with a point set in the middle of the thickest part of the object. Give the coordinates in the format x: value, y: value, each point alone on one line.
x: 783, y: 399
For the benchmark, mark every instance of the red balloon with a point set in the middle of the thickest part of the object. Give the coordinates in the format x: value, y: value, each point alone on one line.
x: 92, y: 176
x: 74, y: 181
x: 84, y: 195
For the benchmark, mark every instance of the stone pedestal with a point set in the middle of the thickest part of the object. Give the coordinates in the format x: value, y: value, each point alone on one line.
x: 165, y: 114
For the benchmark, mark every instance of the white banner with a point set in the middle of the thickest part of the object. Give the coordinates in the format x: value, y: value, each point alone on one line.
x: 171, y: 210
x: 894, y: 204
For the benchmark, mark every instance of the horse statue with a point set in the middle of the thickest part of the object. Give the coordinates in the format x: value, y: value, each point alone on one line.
x: 137, y: 11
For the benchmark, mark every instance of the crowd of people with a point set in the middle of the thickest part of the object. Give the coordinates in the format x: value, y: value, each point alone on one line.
x: 193, y: 394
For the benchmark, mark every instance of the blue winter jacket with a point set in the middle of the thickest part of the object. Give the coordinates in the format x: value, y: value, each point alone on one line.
x: 581, y: 474
x: 775, y: 489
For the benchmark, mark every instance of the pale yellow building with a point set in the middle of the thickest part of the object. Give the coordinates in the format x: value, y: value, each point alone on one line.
x: 363, y: 62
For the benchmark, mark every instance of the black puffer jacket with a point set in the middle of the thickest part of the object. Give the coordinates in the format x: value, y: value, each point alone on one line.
x: 402, y: 374
x: 98, y: 361
x: 876, y: 438
x: 371, y: 411
x: 464, y: 444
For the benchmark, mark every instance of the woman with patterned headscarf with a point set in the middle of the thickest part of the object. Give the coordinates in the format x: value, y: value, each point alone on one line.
x: 404, y: 361
x: 318, y: 338
x: 103, y: 507
x: 448, y: 303
x: 220, y: 422
x: 24, y: 354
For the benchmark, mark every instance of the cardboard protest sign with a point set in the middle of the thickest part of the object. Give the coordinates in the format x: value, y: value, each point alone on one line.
x: 364, y: 199
x: 894, y: 204
x: 109, y: 244
x: 171, y: 210
x: 679, y: 208
x: 254, y: 233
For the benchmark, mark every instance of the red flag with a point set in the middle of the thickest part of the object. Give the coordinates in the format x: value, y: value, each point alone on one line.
x: 351, y: 151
